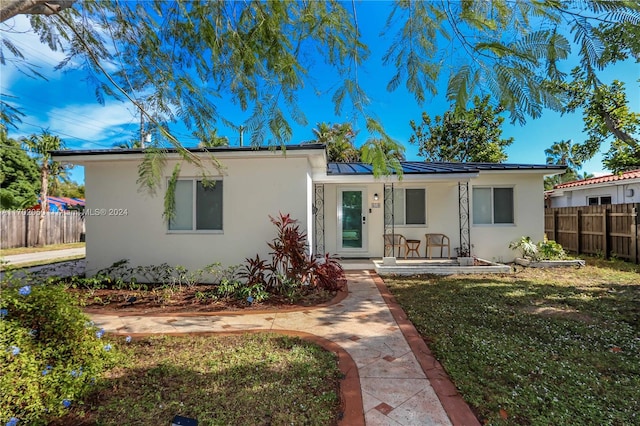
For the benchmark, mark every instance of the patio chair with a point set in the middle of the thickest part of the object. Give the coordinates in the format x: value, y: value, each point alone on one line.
x: 391, y: 241
x: 437, y: 240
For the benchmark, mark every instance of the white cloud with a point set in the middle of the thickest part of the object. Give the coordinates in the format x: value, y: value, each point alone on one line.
x: 87, y: 126
x: 61, y: 111
x: 37, y: 54
x: 94, y: 122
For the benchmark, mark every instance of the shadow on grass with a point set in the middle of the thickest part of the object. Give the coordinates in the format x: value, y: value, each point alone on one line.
x: 540, y: 347
x: 270, y: 380
x: 612, y: 264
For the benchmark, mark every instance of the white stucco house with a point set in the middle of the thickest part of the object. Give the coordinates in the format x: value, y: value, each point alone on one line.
x: 609, y: 189
x: 344, y: 209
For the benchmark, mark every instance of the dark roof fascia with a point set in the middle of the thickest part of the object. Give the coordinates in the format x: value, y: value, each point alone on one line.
x: 120, y: 151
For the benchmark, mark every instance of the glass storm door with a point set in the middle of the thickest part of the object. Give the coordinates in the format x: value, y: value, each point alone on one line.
x: 353, y: 220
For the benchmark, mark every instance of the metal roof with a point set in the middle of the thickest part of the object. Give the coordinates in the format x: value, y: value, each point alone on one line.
x: 419, y: 167
x: 71, y: 152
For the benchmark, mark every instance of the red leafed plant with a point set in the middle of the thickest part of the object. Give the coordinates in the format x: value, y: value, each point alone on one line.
x: 289, y: 257
x: 253, y: 271
x: 291, y: 264
x: 328, y: 274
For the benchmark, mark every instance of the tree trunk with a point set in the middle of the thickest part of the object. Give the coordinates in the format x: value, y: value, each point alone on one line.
x: 44, y: 203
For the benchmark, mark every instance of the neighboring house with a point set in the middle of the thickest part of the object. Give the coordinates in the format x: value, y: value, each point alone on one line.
x: 610, y: 189
x: 60, y: 204
x: 342, y: 207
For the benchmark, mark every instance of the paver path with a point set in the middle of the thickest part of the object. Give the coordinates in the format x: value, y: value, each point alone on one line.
x: 395, y: 390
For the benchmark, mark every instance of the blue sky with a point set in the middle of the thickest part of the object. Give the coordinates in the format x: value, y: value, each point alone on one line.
x: 66, y: 105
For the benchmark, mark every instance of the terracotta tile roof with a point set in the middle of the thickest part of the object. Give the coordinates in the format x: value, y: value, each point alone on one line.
x: 633, y: 174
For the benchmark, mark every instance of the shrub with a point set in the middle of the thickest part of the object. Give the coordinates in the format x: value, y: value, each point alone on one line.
x: 328, y: 274
x: 253, y: 271
x: 550, y: 250
x: 544, y: 250
x: 50, y: 354
x: 289, y: 260
x: 291, y: 267
x: 526, y: 246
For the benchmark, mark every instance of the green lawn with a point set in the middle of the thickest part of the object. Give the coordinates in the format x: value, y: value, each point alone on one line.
x: 557, y: 346
x: 252, y: 379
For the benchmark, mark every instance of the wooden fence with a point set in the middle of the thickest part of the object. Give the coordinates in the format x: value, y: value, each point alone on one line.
x: 19, y: 228
x: 607, y: 230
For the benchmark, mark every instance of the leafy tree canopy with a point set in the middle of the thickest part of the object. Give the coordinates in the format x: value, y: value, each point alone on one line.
x: 607, y: 116
x: 469, y: 135
x: 68, y: 189
x: 570, y: 155
x: 213, y: 140
x: 339, y: 141
x: 566, y: 153
x: 175, y: 59
x: 51, y: 172
x: 19, y: 175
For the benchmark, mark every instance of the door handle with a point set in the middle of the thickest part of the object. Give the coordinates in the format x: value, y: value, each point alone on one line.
x: 364, y: 220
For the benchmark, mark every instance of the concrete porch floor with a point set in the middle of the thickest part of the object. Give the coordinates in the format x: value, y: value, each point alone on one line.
x: 420, y: 266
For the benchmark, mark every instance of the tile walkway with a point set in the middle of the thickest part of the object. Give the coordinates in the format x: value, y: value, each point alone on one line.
x: 396, y: 371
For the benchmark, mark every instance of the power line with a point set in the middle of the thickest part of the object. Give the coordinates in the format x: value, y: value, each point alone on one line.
x: 53, y: 61
x: 40, y: 101
x: 67, y: 134
x: 79, y: 123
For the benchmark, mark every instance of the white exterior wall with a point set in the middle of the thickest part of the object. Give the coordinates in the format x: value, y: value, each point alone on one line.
x: 254, y: 188
x: 579, y: 196
x: 491, y: 242
x: 442, y: 217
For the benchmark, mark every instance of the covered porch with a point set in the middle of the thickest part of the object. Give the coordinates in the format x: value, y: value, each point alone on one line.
x: 357, y: 219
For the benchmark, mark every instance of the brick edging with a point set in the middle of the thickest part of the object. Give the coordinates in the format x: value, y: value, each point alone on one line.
x: 350, y: 390
x: 454, y: 405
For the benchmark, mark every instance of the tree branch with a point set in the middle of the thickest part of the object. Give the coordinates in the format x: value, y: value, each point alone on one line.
x: 617, y: 132
x: 12, y: 8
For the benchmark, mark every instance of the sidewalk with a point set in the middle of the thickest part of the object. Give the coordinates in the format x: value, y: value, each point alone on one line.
x: 394, y: 373
x: 17, y: 259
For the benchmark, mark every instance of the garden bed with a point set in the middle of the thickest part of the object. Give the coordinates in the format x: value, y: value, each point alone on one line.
x: 195, y: 299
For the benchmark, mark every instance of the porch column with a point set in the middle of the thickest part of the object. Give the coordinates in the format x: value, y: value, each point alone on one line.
x: 463, y: 218
x: 389, y: 222
x: 318, y: 220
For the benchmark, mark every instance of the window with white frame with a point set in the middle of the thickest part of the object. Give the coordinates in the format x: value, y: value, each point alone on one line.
x: 198, y: 206
x: 595, y: 201
x: 492, y: 205
x: 409, y: 206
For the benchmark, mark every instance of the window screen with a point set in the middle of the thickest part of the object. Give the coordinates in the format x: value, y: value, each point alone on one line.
x: 205, y: 210
x: 209, y: 205
x: 183, y: 219
x: 415, y: 207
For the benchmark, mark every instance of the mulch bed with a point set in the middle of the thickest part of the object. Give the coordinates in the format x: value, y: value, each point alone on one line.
x: 186, y: 299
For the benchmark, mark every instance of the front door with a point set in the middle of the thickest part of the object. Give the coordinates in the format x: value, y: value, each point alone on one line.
x: 352, y: 220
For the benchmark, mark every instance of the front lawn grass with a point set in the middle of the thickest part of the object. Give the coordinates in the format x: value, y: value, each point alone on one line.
x: 250, y: 379
x: 554, y: 346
